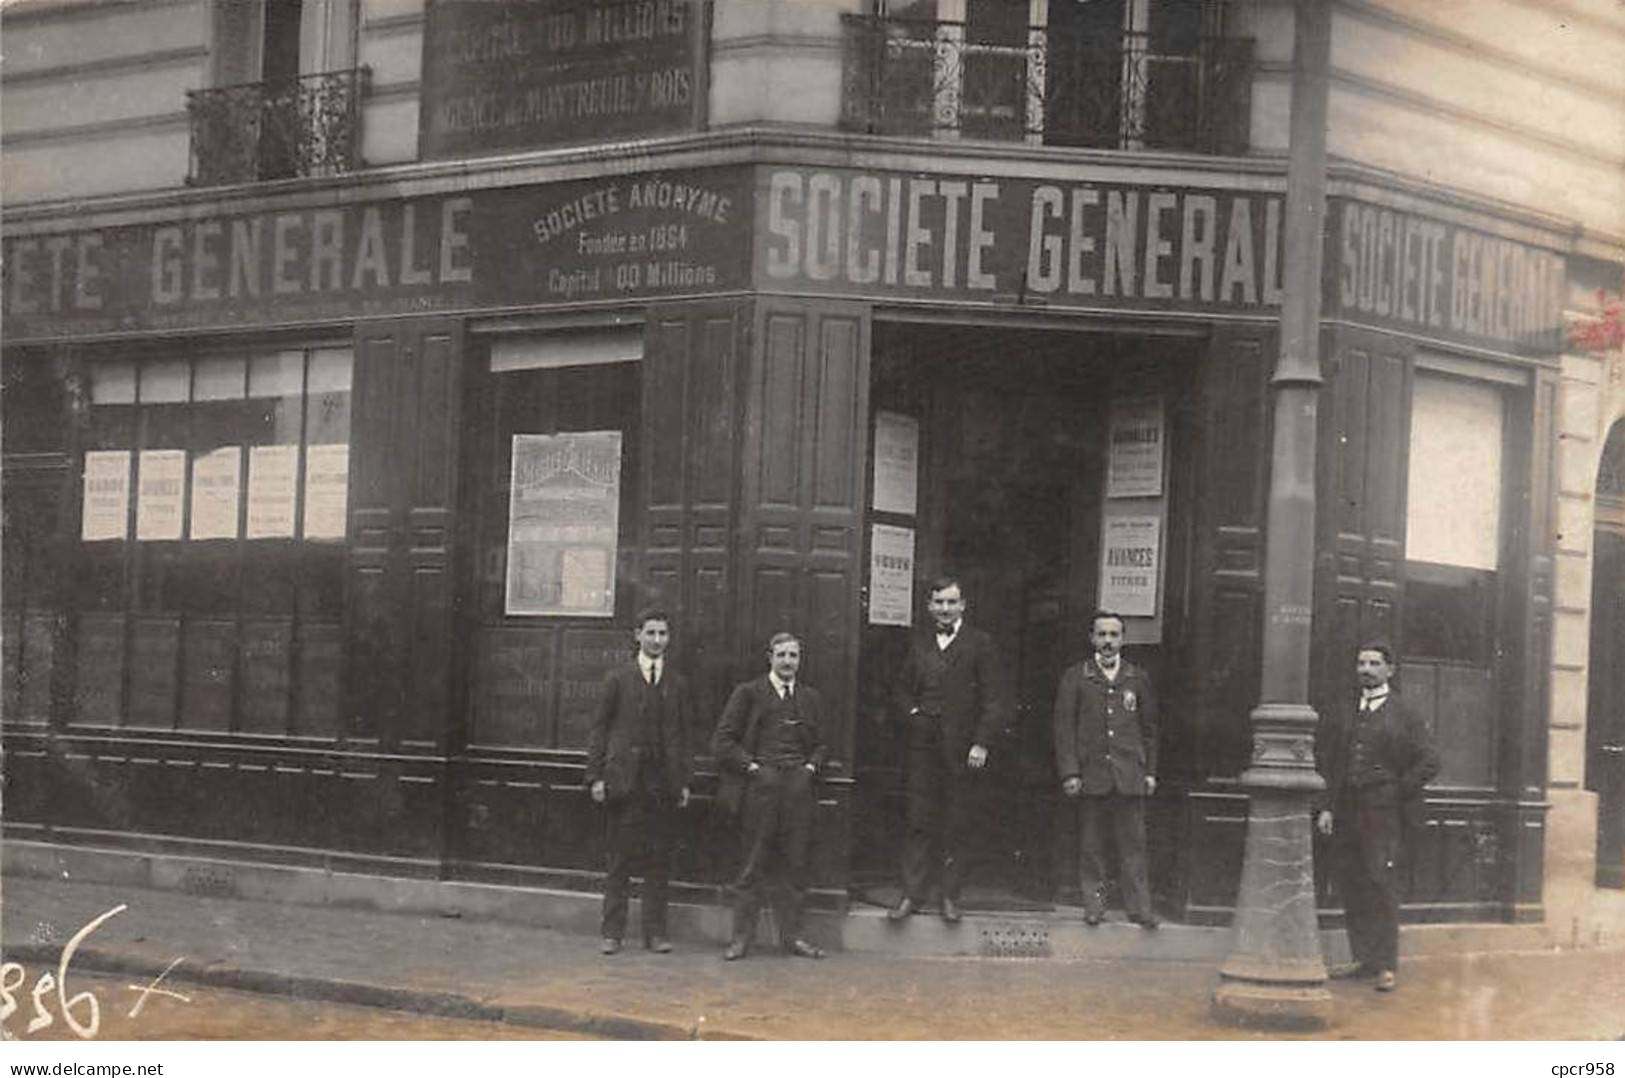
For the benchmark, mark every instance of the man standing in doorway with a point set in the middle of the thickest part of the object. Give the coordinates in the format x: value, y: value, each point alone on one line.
x: 1106, y: 752
x: 1377, y: 759
x: 769, y: 745
x: 638, y: 767
x: 953, y: 696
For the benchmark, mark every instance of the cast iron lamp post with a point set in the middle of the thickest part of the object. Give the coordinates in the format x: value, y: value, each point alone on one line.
x: 1275, y: 974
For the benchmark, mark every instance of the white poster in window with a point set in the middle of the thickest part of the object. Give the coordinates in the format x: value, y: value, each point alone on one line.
x: 216, y: 488
x: 897, y: 463
x: 160, y: 485
x: 891, y: 575
x: 273, y: 475
x: 1135, y: 451
x: 327, y: 490
x: 564, y: 505
x: 1130, y: 551
x: 106, y: 510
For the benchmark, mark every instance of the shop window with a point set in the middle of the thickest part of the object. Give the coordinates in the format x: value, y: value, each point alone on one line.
x: 558, y: 514
x: 1453, y: 540
x: 214, y: 498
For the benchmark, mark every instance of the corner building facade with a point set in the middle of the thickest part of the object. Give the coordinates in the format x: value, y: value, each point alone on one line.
x: 353, y: 411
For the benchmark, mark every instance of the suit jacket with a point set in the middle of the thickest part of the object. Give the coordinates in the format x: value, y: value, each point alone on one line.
x: 1403, y: 747
x: 739, y: 730
x: 616, y: 751
x: 975, y: 707
x: 1106, y: 732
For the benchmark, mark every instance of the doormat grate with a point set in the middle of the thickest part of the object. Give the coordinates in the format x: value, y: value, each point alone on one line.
x: 1027, y: 941
x: 212, y: 881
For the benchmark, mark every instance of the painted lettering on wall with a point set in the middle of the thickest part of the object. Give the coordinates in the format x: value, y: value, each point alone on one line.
x: 1398, y: 269
x: 1002, y: 239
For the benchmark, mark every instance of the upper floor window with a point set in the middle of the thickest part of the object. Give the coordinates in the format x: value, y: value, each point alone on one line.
x: 1126, y: 74
x: 285, y: 92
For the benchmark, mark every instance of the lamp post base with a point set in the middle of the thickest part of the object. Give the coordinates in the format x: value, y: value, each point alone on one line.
x: 1272, y: 1006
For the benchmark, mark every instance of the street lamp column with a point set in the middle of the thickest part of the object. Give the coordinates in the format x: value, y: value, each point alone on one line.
x: 1275, y: 974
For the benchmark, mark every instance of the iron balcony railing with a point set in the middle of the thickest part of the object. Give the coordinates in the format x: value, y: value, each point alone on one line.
x: 307, y: 126
x: 1056, y: 87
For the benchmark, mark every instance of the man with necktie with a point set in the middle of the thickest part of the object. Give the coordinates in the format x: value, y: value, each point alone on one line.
x: 952, y: 695
x: 1106, y: 751
x: 638, y: 767
x: 769, y: 745
x: 1377, y: 759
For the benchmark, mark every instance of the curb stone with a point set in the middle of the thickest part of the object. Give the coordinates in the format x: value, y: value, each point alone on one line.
x: 384, y: 997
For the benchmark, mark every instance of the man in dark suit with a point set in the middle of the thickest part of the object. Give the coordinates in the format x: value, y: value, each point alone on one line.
x: 1106, y: 751
x: 953, y: 696
x: 638, y: 767
x: 1377, y: 759
x: 770, y: 745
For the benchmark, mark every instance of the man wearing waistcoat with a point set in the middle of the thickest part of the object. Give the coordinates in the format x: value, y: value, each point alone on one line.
x: 769, y: 746
x: 1106, y: 751
x: 1377, y: 759
x: 638, y: 767
x: 952, y: 697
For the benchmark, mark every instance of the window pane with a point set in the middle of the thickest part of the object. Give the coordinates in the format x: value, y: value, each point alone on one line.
x: 165, y: 381
x: 112, y: 383
x: 1454, y: 497
x: 219, y: 378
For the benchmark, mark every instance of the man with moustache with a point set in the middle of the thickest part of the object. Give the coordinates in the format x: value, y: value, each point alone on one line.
x: 769, y: 745
x: 1106, y: 751
x: 952, y: 694
x: 1377, y: 759
x: 638, y: 768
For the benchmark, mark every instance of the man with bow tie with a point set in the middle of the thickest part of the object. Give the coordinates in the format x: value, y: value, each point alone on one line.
x: 769, y: 745
x: 1106, y: 752
x: 1377, y: 760
x: 638, y: 768
x: 952, y: 693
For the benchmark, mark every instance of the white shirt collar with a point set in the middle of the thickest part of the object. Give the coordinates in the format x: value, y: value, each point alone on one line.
x: 1374, y: 698
x: 779, y: 686
x: 647, y: 664
x: 1111, y: 670
x: 944, y: 641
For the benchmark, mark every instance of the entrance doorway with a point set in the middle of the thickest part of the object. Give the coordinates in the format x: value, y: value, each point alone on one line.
x: 1605, y: 710
x: 1010, y: 490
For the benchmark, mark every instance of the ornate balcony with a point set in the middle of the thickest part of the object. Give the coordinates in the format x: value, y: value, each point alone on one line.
x: 309, y: 126
x: 1059, y: 88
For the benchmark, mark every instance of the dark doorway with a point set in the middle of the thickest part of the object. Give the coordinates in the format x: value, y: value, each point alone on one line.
x: 1011, y: 473
x: 1605, y: 710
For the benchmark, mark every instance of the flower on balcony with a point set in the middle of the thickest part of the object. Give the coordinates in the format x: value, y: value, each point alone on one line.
x: 1603, y: 332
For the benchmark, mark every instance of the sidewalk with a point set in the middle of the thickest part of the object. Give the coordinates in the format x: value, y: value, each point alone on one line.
x: 554, y: 980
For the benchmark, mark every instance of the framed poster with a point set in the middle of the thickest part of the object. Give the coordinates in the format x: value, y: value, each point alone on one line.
x: 891, y: 575
x: 1135, y: 449
x: 327, y: 490
x: 215, y: 480
x: 273, y: 482
x: 897, y: 463
x: 1130, y: 553
x: 564, y: 502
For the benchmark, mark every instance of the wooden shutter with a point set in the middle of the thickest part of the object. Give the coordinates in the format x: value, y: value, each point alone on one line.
x: 403, y: 470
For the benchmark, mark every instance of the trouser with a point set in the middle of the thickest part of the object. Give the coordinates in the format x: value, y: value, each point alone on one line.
x: 1365, y: 852
x: 641, y: 833
x: 939, y: 818
x: 1125, y: 815
x: 778, y: 812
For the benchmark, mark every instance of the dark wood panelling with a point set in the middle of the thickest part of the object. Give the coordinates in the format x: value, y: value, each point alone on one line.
x: 98, y: 696
x: 1360, y: 503
x: 210, y: 674
x: 404, y: 450
x: 515, y: 688
x: 267, y: 673
x: 319, y: 681
x: 155, y: 652
x: 1227, y: 594
x: 37, y: 662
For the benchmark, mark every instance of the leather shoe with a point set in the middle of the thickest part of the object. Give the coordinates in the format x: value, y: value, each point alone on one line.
x: 610, y: 945
x: 1339, y: 971
x: 735, y: 951
x: 1386, y: 981
x: 803, y: 949
x: 657, y: 944
x: 902, y: 910
x: 950, y: 911
x: 1148, y: 921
